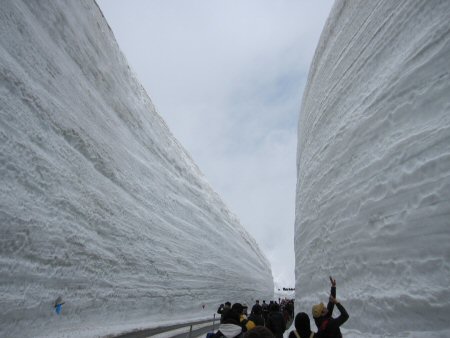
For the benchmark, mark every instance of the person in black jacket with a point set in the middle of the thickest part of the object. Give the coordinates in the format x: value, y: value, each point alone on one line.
x: 223, y: 309
x: 327, y: 325
x: 256, y: 306
x: 275, y: 321
x: 302, y: 327
x: 320, y: 312
x: 330, y: 327
x: 256, y: 316
x: 230, y: 327
x: 265, y: 310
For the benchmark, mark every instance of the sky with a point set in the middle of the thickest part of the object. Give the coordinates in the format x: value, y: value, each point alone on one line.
x: 228, y: 78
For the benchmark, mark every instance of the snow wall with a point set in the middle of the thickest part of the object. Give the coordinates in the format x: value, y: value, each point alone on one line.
x: 373, y: 189
x: 99, y: 203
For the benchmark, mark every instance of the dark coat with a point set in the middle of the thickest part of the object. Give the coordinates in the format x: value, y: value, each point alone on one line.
x: 223, y: 311
x: 258, y: 320
x: 330, y: 308
x: 257, y: 309
x: 330, y: 327
x: 276, y: 324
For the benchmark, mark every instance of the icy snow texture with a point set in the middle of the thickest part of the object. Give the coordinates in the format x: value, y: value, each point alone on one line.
x: 373, y: 189
x: 99, y: 203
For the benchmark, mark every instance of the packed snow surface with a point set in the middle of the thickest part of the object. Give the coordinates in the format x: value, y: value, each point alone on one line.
x: 99, y: 203
x: 373, y: 189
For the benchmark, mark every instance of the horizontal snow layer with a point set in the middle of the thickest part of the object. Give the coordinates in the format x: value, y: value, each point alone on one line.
x: 373, y: 189
x: 99, y: 203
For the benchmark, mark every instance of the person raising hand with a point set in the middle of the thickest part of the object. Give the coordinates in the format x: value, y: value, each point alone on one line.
x: 327, y: 325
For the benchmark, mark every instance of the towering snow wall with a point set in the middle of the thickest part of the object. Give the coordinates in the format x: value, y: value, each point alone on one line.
x: 373, y: 189
x: 99, y: 203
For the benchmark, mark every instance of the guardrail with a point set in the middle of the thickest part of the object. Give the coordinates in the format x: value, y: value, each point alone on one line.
x: 202, y: 330
x: 163, y: 329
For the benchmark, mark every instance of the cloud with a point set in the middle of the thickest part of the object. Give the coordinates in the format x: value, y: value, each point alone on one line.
x: 228, y: 77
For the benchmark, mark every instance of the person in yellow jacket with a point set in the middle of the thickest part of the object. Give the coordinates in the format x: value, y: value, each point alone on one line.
x: 245, y: 323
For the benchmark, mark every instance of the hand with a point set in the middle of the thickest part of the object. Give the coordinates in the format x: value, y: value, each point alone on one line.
x: 333, y: 281
x: 333, y: 300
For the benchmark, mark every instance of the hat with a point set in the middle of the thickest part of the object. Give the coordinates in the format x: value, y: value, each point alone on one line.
x: 317, y: 310
x: 237, y: 307
x: 231, y: 317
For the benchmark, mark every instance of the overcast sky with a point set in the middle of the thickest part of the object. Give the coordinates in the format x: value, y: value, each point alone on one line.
x: 228, y: 78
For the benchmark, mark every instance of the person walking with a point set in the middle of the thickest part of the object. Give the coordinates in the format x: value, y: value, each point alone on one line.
x: 256, y: 306
x: 265, y: 309
x: 275, y: 321
x: 256, y: 316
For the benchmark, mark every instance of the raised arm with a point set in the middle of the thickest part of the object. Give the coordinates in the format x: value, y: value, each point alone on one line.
x: 330, y: 305
x: 343, y: 317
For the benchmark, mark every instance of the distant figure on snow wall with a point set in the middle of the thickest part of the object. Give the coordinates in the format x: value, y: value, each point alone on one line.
x: 58, y: 305
x: 327, y: 325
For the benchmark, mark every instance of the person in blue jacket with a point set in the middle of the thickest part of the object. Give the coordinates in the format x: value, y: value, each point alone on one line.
x: 58, y: 305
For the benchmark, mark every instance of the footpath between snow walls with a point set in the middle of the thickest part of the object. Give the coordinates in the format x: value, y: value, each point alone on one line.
x: 373, y: 189
x: 99, y: 203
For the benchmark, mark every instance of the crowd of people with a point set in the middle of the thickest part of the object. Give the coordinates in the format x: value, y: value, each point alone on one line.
x: 274, y: 316
x: 271, y: 320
